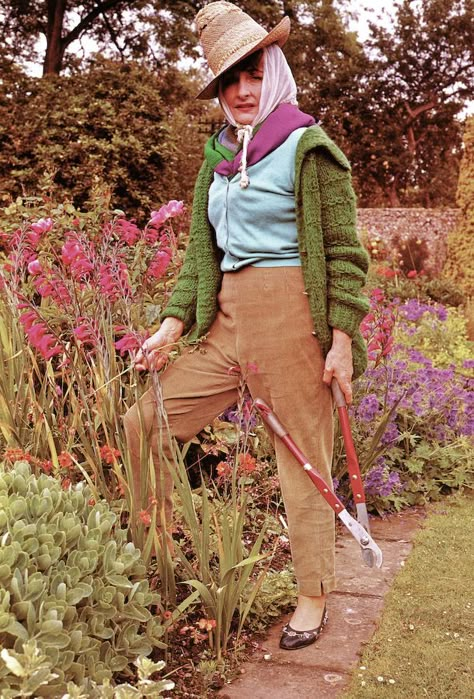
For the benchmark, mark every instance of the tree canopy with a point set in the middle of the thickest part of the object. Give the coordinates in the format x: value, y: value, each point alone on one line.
x: 394, y: 102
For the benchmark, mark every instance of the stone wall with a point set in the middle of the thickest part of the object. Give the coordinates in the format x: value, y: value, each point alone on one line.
x: 414, y: 233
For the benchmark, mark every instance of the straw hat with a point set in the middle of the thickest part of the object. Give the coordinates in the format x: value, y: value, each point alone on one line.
x: 228, y: 34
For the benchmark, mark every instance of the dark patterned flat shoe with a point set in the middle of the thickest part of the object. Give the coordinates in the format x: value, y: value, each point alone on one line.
x: 292, y: 640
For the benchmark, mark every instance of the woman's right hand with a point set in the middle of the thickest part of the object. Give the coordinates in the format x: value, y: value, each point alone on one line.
x: 154, y: 352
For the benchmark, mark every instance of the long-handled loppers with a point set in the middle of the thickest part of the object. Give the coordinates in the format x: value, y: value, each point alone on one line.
x: 353, y: 467
x: 371, y: 553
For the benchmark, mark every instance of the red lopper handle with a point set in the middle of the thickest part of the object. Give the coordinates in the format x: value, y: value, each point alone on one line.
x: 280, y: 430
x: 351, y: 454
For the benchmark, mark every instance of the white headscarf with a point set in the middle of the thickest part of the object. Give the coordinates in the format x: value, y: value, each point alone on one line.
x: 278, y: 87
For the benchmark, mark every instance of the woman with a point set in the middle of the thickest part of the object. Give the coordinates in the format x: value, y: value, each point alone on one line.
x: 271, y: 282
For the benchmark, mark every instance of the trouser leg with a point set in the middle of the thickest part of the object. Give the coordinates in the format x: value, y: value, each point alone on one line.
x: 196, y: 388
x: 275, y: 332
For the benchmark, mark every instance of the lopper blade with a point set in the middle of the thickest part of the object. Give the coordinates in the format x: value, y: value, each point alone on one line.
x: 363, y: 519
x: 371, y: 553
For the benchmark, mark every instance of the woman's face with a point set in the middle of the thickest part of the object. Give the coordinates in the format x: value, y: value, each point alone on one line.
x: 241, y: 88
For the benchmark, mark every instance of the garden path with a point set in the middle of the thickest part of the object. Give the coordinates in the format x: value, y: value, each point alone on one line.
x: 323, y: 670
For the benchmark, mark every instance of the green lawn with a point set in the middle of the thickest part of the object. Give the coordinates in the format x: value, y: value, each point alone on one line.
x: 424, y: 646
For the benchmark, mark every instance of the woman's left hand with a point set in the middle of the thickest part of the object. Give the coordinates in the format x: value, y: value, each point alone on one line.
x: 338, y: 363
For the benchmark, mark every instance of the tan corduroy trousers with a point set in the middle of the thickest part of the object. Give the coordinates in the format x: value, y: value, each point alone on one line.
x: 264, y: 327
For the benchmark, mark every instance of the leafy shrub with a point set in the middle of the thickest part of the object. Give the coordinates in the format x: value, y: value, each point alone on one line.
x: 276, y: 596
x: 413, y: 413
x: 71, y: 583
x: 439, y: 289
x: 460, y: 261
x: 107, y: 126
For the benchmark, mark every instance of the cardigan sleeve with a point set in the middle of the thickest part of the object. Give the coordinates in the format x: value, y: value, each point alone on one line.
x: 346, y: 260
x: 182, y: 303
x: 183, y: 300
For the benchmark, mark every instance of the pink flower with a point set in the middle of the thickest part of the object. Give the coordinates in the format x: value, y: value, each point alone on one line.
x: 175, y: 208
x: 38, y: 336
x: 129, y: 343
x: 43, y: 225
x: 145, y: 517
x: 113, y: 281
x: 127, y: 231
x: 85, y: 331
x: 170, y: 210
x: 76, y: 257
x: 34, y: 267
x: 158, y: 217
x: 412, y: 274
x: 159, y: 264
x: 38, y: 229
x: 52, y: 288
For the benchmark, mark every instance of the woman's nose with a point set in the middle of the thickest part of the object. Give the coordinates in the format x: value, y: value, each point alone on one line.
x: 243, y: 87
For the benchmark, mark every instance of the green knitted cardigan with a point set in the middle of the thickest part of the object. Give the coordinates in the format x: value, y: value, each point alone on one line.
x: 334, y: 263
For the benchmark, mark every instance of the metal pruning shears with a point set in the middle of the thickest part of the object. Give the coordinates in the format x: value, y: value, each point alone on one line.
x: 371, y: 553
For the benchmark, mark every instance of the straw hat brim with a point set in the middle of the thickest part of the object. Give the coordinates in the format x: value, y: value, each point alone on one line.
x: 279, y: 35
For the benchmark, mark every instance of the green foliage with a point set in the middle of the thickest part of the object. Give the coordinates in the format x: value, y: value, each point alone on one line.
x: 399, y: 117
x: 444, y: 342
x: 460, y: 261
x: 106, y: 126
x: 396, y: 116
x: 212, y: 553
x: 276, y: 596
x: 32, y: 668
x: 74, y: 597
x: 439, y: 289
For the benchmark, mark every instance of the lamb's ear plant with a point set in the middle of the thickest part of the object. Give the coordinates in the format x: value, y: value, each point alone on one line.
x: 75, y: 602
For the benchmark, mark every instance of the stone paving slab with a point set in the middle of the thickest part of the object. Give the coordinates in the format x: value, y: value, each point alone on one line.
x: 323, y: 670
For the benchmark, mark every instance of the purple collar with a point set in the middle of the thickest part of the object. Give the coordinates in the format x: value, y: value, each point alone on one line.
x: 274, y: 131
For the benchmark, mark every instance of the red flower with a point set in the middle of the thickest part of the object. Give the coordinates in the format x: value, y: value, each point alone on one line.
x: 145, y: 517
x: 247, y: 463
x: 108, y: 454
x: 47, y: 466
x: 65, y: 460
x: 15, y: 454
x: 224, y: 469
x: 412, y: 274
x: 207, y: 624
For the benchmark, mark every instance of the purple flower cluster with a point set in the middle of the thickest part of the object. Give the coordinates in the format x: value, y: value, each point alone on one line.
x: 382, y: 482
x: 244, y: 417
x: 413, y: 310
x: 430, y: 396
